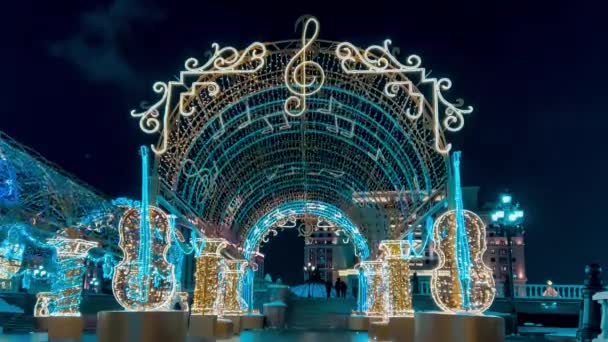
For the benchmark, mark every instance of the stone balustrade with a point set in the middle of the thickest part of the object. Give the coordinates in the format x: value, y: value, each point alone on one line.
x: 602, y: 298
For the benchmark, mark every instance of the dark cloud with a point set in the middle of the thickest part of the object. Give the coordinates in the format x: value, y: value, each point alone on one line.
x: 100, y: 47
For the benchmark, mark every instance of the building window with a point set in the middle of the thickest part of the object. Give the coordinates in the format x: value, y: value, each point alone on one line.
x: 513, y: 260
x: 502, y: 260
x: 492, y: 259
x: 502, y: 252
x: 492, y: 251
x: 504, y: 268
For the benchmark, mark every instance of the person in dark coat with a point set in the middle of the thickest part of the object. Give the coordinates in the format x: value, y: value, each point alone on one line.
x: 338, y: 287
x: 415, y: 288
x: 328, y: 287
x: 344, y: 288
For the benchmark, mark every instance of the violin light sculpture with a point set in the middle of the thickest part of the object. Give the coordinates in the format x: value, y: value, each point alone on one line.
x: 461, y: 282
x: 144, y: 280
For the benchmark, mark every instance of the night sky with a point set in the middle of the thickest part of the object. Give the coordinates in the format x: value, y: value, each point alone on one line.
x: 536, y: 76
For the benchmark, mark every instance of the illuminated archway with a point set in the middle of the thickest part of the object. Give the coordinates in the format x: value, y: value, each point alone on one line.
x: 300, y: 208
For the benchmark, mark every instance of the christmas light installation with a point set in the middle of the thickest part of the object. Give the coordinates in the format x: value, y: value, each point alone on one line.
x: 461, y: 282
x: 11, y: 254
x: 207, y: 291
x: 298, y: 208
x: 49, y: 198
x: 67, y: 287
x: 395, y: 254
x: 229, y: 157
x: 377, y: 293
x: 144, y: 280
x: 232, y: 277
x: 9, y: 190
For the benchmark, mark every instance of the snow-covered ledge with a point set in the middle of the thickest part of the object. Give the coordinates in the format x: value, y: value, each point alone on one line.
x: 602, y: 297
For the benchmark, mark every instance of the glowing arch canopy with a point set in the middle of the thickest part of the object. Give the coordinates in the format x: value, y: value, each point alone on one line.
x: 301, y: 120
x: 299, y: 208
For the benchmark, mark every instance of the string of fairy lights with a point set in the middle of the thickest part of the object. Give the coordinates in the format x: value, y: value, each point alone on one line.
x: 277, y: 131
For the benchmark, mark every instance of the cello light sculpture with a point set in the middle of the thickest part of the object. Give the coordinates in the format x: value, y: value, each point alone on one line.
x: 144, y: 280
x: 461, y: 282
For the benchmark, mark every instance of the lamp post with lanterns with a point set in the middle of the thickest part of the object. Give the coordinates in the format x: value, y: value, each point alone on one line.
x: 309, y: 268
x: 508, y: 219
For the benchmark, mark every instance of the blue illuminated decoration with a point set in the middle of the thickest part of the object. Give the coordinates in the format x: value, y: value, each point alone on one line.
x: 11, y: 254
x: 323, y: 210
x: 9, y: 191
x: 463, y: 257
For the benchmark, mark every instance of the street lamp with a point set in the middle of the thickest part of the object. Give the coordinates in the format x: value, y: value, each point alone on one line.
x: 309, y: 268
x: 508, y: 218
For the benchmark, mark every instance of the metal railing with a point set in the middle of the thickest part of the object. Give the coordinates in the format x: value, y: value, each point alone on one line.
x: 524, y: 291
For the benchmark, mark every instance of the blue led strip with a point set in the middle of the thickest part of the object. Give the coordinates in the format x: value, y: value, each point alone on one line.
x: 67, y: 286
x: 463, y: 257
x: 144, y: 230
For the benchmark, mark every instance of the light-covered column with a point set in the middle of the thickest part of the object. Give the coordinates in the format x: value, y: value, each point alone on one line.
x: 207, y: 276
x: 376, y: 293
x: 67, y: 288
x: 602, y: 298
x: 395, y: 253
x: 231, y: 285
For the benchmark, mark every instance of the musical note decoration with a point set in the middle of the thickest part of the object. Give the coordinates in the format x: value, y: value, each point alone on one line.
x: 303, y: 77
x: 144, y: 280
x: 461, y: 282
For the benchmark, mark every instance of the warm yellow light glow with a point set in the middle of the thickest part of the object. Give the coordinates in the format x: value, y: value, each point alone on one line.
x: 446, y: 287
x: 207, y: 291
x: 137, y: 289
x: 398, y: 277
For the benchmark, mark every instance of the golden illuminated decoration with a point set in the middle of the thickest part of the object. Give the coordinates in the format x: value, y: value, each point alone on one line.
x: 461, y: 282
x: 376, y: 294
x: 207, y: 286
x: 232, y: 275
x: 395, y: 254
x: 446, y: 281
x: 144, y: 280
x: 139, y: 286
x: 67, y: 287
x: 41, y: 308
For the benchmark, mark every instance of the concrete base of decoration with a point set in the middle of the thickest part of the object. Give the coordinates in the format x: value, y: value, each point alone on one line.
x: 358, y: 322
x: 224, y: 328
x: 252, y: 321
x: 202, y: 327
x: 41, y: 324
x: 402, y: 328
x: 149, y: 326
x: 64, y: 328
x: 441, y: 327
x: 379, y: 331
x: 236, y: 323
x: 275, y: 314
x: 278, y: 292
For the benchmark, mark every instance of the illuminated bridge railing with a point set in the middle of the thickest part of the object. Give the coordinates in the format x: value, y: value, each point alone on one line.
x: 527, y: 291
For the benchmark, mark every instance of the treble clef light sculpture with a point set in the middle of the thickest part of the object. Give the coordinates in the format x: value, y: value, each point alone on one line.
x: 303, y: 77
x: 144, y: 280
x: 461, y: 282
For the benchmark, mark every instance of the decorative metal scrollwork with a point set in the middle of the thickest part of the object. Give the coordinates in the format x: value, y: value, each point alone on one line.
x: 227, y: 60
x: 378, y: 59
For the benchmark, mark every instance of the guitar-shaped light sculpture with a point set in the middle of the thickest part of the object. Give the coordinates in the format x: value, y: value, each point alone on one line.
x: 144, y: 280
x: 461, y: 282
